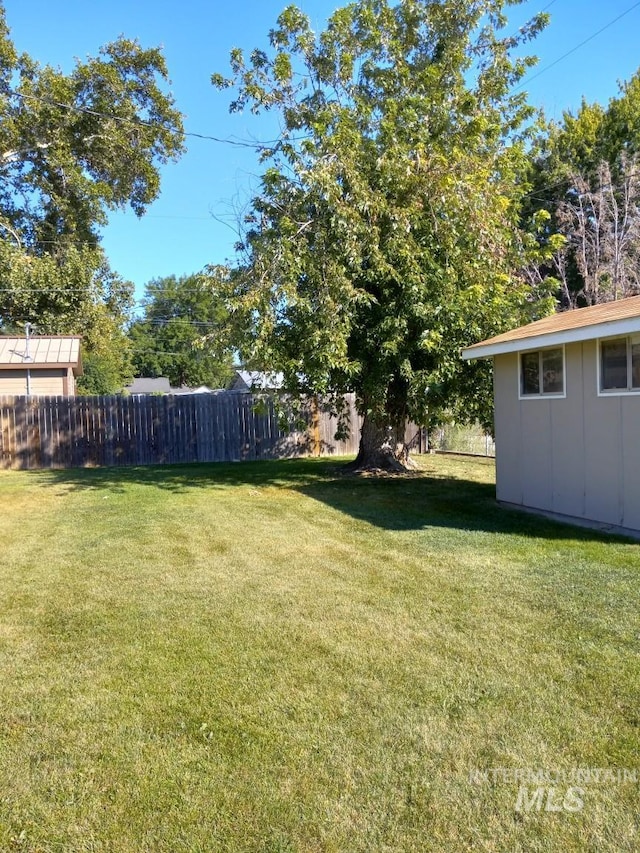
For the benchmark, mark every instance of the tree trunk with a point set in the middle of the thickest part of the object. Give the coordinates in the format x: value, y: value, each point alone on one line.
x: 381, y: 448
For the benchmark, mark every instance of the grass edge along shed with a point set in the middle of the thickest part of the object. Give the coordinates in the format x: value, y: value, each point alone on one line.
x: 567, y: 415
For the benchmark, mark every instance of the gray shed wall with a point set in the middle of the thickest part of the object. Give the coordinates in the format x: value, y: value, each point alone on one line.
x: 576, y: 456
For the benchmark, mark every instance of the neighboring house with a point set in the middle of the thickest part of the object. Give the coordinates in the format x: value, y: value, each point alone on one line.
x: 256, y: 380
x: 161, y: 385
x: 45, y: 365
x: 147, y: 385
x: 567, y: 414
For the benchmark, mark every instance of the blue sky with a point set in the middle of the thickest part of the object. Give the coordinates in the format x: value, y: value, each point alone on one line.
x: 182, y: 231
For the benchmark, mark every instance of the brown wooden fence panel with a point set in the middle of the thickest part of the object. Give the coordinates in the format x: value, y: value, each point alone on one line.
x: 65, y: 432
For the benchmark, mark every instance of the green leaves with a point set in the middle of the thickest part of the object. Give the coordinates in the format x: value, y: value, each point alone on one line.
x: 584, y: 181
x: 76, y: 145
x: 385, y: 236
x: 72, y: 147
x: 177, y: 336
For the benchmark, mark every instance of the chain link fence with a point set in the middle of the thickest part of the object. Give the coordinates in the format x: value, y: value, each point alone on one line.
x: 455, y: 438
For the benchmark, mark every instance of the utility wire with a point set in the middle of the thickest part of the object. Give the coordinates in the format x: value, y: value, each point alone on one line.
x: 269, y: 143
x: 266, y: 144
x: 257, y: 146
x: 534, y: 194
x: 576, y: 47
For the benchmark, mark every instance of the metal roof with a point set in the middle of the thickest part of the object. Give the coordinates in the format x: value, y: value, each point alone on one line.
x: 258, y: 380
x: 621, y: 317
x: 149, y: 385
x: 43, y: 350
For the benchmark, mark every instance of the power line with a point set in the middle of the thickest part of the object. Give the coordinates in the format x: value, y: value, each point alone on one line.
x: 269, y: 143
x: 137, y: 351
x: 210, y: 218
x: 55, y: 291
x: 529, y: 194
x: 266, y: 144
x: 256, y: 146
x: 209, y: 324
x: 576, y: 47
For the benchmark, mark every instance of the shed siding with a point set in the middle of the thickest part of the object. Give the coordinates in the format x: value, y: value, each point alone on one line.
x: 567, y: 441
x: 631, y: 467
x: 579, y: 455
x: 537, y: 448
x: 49, y: 381
x: 602, y: 469
x: 508, y: 430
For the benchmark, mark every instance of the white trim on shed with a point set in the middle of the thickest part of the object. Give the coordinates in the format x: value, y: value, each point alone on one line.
x: 554, y: 339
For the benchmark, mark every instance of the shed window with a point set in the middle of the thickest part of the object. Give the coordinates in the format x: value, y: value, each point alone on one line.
x: 542, y: 372
x: 620, y: 364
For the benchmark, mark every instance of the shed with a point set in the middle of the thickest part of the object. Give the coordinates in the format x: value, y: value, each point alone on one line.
x: 567, y: 415
x: 42, y: 365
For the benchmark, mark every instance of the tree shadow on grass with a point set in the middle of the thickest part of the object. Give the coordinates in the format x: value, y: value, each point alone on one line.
x: 409, y: 502
x: 451, y: 502
x: 286, y: 474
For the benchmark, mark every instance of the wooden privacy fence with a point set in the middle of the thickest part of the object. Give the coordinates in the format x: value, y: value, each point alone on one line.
x: 70, y: 432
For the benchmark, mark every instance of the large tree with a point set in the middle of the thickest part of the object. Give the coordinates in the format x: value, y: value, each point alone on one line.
x: 174, y: 336
x: 73, y: 147
x: 385, y: 236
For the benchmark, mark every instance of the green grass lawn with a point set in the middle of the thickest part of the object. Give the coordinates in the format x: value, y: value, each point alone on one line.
x: 273, y: 657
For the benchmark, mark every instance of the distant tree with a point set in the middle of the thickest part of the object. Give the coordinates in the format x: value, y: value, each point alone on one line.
x: 174, y: 336
x: 385, y: 235
x: 103, y: 372
x: 72, y: 147
x: 82, y: 297
x: 107, y: 351
x: 621, y: 123
x: 586, y: 175
x: 602, y: 229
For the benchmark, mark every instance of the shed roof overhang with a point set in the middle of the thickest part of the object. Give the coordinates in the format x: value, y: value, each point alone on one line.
x: 583, y: 324
x: 41, y: 352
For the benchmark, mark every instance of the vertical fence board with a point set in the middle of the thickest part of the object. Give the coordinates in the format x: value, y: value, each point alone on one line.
x: 33, y: 426
x: 181, y: 437
x: 176, y: 435
x: 198, y: 427
x: 192, y: 442
x: 207, y: 427
x: 170, y: 429
x: 20, y: 440
x: 211, y: 428
x: 138, y: 432
x: 223, y: 425
x: 5, y: 433
x: 191, y: 403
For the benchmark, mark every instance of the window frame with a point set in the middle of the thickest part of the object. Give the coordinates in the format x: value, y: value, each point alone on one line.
x: 543, y: 395
x: 629, y: 391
